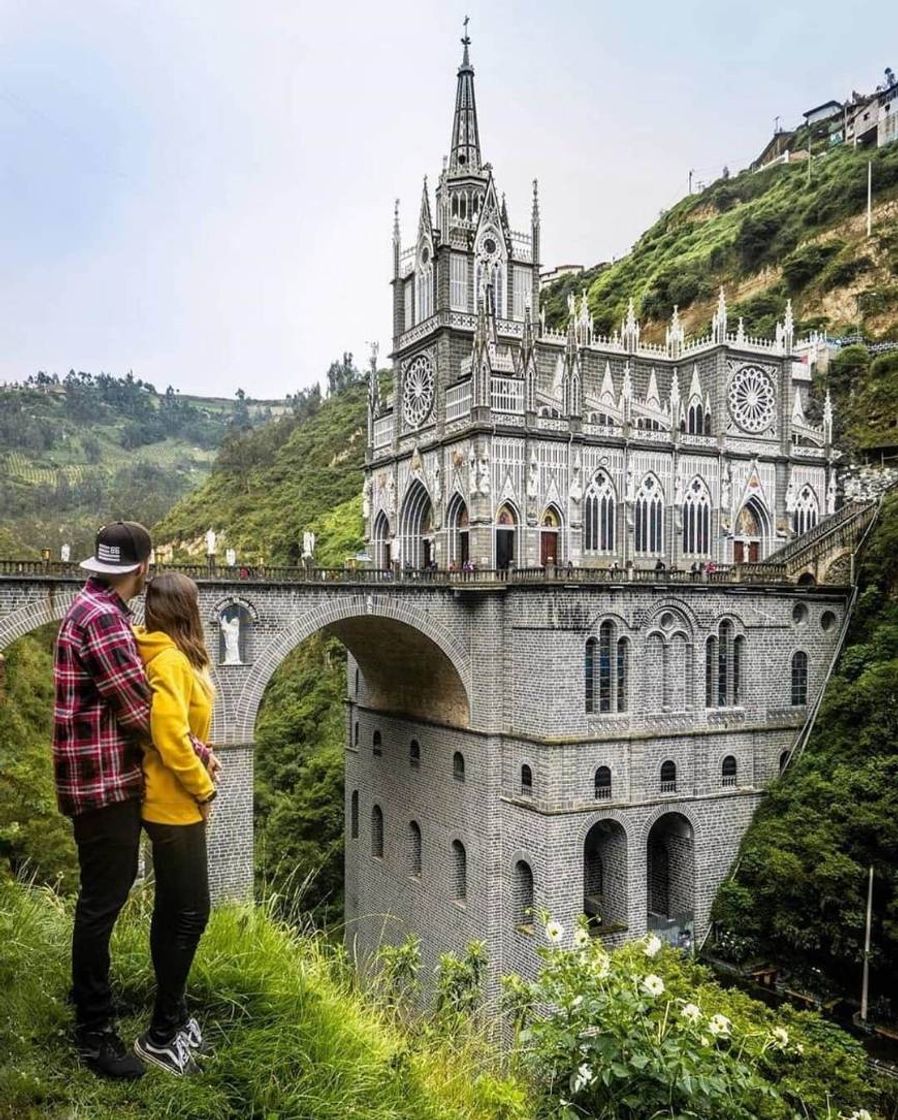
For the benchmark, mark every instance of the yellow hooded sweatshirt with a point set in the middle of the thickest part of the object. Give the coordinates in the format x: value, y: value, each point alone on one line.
x: 175, y: 779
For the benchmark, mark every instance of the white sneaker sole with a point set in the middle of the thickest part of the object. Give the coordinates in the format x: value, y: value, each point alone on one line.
x: 148, y: 1056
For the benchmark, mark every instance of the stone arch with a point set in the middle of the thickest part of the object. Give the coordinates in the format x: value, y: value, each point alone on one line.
x: 671, y: 875
x: 35, y: 614
x: 387, y: 639
x: 605, y: 875
x: 838, y: 570
x: 677, y: 607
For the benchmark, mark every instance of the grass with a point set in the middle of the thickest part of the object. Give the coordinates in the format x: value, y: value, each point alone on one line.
x: 294, y: 1037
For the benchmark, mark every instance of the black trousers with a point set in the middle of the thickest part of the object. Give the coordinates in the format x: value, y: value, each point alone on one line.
x: 180, y: 913
x: 108, y: 842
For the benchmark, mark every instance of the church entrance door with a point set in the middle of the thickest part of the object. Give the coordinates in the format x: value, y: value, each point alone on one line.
x: 506, y: 524
x: 750, y: 525
x: 548, y: 548
x: 746, y: 551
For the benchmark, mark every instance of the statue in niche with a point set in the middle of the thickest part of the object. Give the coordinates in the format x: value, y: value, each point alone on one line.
x: 366, y: 499
x: 576, y: 490
x: 229, y: 623
x: 436, y: 490
x: 483, y: 475
x: 831, y: 492
x: 630, y: 486
x: 678, y: 488
x: 725, y: 489
x: 391, y: 495
x: 533, y: 477
x: 791, y: 496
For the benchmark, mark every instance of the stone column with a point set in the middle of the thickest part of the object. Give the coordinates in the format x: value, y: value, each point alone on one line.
x: 230, y: 837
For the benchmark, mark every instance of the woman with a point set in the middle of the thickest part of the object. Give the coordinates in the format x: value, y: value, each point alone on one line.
x: 176, y: 806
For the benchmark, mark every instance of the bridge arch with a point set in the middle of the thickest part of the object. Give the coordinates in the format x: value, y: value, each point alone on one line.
x: 34, y: 614
x: 410, y: 662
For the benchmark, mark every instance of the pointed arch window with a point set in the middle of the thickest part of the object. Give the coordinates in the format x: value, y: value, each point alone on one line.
x: 599, y: 515
x: 799, y: 678
x: 695, y: 419
x: 649, y: 517
x: 603, y: 784
x: 807, y: 511
x: 377, y: 832
x: 697, y: 519
x: 425, y: 286
x: 460, y: 869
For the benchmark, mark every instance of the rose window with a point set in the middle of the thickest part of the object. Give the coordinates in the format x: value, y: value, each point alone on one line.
x: 751, y: 399
x: 417, y: 391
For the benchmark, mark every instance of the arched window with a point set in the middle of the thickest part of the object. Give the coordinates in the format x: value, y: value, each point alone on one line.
x: 355, y: 734
x: 380, y: 537
x: 799, y: 678
x: 728, y: 771
x: 599, y: 515
x: 724, y: 668
x: 414, y: 849
x: 649, y: 517
x: 526, y: 781
x: 606, y: 639
x: 460, y: 868
x: 377, y: 832
x: 668, y: 777
x: 697, y: 519
x: 695, y: 419
x: 354, y: 816
x: 807, y: 511
x: 458, y: 766
x: 784, y: 761
x: 376, y: 744
x: 523, y: 895
x: 711, y: 672
x: 425, y: 287
x: 623, y: 673
x: 603, y: 784
x: 356, y: 682
x: 414, y: 754
x: 589, y: 665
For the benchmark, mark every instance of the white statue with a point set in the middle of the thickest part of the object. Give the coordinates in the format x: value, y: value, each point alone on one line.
x: 678, y: 489
x: 391, y: 495
x: 437, y: 486
x: 483, y: 475
x: 831, y: 492
x: 308, y: 545
x: 366, y: 499
x: 211, y: 541
x: 230, y: 628
x: 231, y: 557
x: 576, y: 490
x: 65, y: 553
x: 630, y: 487
x: 725, y: 489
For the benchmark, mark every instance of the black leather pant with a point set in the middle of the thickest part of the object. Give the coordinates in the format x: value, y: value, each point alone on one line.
x: 180, y: 913
x: 108, y: 842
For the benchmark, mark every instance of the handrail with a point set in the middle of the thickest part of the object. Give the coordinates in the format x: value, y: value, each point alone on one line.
x: 764, y: 573
x: 843, y: 516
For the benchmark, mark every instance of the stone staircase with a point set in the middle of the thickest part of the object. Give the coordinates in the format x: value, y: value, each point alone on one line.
x: 824, y: 554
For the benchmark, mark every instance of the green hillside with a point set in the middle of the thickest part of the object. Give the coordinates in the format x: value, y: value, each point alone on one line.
x: 84, y: 448
x: 766, y: 236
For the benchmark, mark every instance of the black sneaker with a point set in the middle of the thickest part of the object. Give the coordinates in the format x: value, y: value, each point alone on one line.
x: 193, y: 1036
x: 105, y: 1053
x: 173, y: 1056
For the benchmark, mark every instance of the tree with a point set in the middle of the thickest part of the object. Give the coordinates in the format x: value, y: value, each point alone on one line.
x: 342, y: 374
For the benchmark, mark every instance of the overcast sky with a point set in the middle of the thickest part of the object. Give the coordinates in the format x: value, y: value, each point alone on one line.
x: 202, y: 190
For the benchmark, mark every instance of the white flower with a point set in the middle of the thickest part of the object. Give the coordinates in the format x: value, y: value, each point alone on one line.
x: 583, y: 1077
x: 652, y: 945
x: 799, y: 1049
x: 554, y: 931
x: 780, y: 1036
x: 719, y: 1025
x: 653, y: 985
x: 691, y: 1012
x: 576, y: 1001
x: 860, y: 1114
x: 581, y: 937
x: 601, y: 966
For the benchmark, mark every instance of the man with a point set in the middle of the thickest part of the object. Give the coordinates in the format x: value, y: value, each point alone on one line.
x: 100, y: 718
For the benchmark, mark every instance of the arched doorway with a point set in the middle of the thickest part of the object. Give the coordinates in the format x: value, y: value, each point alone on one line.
x: 380, y: 541
x: 458, y: 532
x: 550, y: 538
x: 605, y: 877
x: 506, y: 526
x: 751, y: 533
x: 670, y: 870
x: 416, y: 540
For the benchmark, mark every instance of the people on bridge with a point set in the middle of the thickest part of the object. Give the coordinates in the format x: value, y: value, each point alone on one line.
x: 177, y: 803
x: 101, y: 720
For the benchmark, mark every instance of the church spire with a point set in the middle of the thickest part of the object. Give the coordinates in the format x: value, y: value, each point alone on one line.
x: 464, y: 154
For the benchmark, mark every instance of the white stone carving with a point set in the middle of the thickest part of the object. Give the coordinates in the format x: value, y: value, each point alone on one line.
x: 230, y: 628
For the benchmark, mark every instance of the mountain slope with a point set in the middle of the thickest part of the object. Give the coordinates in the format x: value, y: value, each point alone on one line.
x: 766, y: 236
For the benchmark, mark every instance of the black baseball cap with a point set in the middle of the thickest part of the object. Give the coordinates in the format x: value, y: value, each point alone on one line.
x: 122, y: 546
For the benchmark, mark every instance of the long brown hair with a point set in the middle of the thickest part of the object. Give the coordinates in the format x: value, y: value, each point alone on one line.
x: 172, y: 606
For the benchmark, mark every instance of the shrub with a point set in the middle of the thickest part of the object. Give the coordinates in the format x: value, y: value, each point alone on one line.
x: 807, y: 262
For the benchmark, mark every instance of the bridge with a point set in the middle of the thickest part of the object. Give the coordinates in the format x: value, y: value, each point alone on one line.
x: 540, y: 681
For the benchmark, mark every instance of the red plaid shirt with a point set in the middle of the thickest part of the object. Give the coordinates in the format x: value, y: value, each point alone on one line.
x: 102, y: 708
